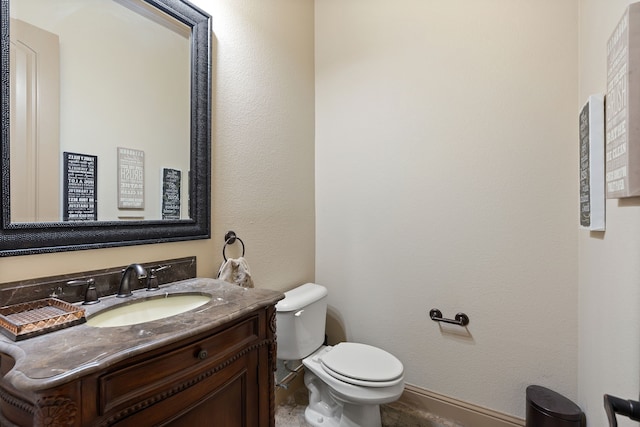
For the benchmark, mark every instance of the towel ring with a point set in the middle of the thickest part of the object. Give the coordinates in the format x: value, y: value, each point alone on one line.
x: 229, y: 239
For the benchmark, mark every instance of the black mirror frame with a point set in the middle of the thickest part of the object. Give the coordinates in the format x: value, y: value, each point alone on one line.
x: 34, y: 238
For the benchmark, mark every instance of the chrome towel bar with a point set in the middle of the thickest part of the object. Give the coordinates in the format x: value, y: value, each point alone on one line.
x: 461, y: 319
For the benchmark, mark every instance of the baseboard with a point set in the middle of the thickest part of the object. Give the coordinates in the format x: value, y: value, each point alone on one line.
x: 466, y: 414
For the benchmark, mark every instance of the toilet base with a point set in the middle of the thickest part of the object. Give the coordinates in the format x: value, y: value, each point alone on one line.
x: 352, y: 416
x: 316, y: 419
x: 325, y: 409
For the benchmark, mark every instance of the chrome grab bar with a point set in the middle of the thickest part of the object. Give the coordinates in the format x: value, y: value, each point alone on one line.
x: 461, y: 319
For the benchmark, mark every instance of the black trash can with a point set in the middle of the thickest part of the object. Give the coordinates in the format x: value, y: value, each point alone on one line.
x: 546, y: 408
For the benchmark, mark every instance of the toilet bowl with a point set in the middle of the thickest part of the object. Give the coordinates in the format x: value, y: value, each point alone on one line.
x: 346, y: 382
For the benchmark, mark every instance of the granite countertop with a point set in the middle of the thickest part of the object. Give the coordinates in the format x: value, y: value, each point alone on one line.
x: 61, y: 356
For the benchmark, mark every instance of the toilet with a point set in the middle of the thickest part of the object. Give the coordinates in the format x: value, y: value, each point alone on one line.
x: 347, y: 382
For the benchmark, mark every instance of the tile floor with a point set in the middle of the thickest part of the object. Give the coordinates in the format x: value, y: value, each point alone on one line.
x: 397, y: 414
x: 290, y: 416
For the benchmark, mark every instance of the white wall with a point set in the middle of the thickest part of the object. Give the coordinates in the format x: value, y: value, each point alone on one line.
x: 263, y: 150
x: 609, y: 342
x: 446, y: 176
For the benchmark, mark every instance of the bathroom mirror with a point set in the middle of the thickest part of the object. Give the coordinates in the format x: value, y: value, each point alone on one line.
x: 159, y: 151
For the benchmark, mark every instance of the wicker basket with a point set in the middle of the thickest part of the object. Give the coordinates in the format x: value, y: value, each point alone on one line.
x: 29, y: 319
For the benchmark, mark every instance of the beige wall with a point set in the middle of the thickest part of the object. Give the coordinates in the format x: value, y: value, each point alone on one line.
x: 446, y: 166
x: 263, y: 150
x: 263, y: 178
x: 609, y: 351
x: 446, y: 176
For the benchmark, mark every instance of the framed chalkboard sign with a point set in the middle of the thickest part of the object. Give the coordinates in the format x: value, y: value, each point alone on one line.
x: 171, y: 180
x: 130, y: 178
x: 80, y: 201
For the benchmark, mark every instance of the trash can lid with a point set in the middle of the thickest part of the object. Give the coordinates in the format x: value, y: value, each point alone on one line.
x: 553, y: 403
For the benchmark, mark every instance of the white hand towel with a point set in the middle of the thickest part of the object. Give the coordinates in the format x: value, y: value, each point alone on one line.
x: 236, y: 271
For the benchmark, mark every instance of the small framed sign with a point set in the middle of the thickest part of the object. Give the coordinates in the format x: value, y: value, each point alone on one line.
x: 623, y: 109
x: 80, y: 201
x: 592, y: 164
x: 130, y: 178
x: 171, y: 180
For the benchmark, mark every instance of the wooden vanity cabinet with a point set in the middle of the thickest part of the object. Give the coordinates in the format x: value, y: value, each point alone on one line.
x: 223, y: 377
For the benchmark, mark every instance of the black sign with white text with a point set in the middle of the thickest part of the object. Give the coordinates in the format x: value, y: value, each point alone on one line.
x: 80, y: 187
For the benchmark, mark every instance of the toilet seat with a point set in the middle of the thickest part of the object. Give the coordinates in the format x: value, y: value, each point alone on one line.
x: 362, y: 364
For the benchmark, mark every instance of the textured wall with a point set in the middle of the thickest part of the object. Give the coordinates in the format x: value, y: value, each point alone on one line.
x: 264, y: 142
x: 446, y: 177
x: 446, y: 155
x: 609, y: 262
x: 263, y: 151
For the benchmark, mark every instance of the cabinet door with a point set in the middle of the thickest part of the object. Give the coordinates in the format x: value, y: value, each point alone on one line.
x: 220, y: 397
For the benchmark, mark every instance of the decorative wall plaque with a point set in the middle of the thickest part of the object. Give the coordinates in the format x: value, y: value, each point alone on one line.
x: 130, y: 178
x: 592, y: 197
x: 623, y: 107
x: 80, y: 202
x: 171, y: 180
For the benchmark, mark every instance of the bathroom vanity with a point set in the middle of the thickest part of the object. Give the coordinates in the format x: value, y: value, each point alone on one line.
x: 212, y: 365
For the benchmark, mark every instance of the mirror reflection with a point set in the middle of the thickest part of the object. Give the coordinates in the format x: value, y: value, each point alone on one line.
x: 100, y: 112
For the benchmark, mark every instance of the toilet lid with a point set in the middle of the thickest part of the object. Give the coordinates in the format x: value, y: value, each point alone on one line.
x: 361, y: 363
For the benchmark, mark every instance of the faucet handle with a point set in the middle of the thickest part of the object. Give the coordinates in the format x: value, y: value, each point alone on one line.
x: 91, y: 294
x: 152, y: 280
x: 160, y: 268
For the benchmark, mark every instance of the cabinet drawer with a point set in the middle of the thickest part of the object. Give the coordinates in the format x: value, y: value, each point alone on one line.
x: 230, y: 398
x: 163, y: 374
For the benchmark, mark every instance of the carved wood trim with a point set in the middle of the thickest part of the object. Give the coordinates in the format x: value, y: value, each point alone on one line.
x: 184, y: 385
x: 273, y: 348
x: 55, y: 411
x: 272, y: 320
x: 272, y: 384
x: 273, y: 352
x: 16, y: 402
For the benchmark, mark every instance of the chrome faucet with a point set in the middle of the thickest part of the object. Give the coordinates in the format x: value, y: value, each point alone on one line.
x: 125, y: 284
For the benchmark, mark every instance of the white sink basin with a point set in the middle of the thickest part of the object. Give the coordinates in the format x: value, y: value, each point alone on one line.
x: 147, y: 310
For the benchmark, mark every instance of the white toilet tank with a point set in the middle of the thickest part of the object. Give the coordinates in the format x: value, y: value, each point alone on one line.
x: 301, y: 318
